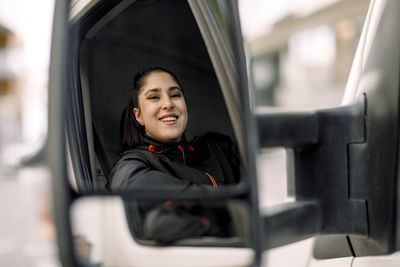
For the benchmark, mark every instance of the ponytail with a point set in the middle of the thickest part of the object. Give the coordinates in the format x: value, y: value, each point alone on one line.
x: 132, y: 131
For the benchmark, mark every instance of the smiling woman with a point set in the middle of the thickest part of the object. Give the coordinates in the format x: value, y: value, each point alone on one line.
x: 171, y: 155
x: 157, y: 154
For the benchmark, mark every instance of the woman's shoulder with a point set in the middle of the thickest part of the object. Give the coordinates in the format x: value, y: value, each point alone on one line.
x: 131, y: 159
x: 133, y: 154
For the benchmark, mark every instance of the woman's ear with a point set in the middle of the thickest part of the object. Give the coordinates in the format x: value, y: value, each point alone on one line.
x: 138, y: 116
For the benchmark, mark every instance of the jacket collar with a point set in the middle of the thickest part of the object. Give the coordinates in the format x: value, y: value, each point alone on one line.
x: 177, y: 151
x: 148, y: 140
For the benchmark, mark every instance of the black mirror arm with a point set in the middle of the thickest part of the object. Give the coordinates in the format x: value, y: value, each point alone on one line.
x: 323, y: 144
x: 287, y: 129
x: 291, y: 222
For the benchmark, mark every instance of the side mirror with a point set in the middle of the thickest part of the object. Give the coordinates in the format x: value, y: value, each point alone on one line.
x: 344, y: 159
x: 82, y: 51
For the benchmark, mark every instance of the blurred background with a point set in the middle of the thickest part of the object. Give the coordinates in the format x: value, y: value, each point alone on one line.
x: 26, y: 229
x: 300, y: 53
x: 25, y: 29
x: 301, y: 50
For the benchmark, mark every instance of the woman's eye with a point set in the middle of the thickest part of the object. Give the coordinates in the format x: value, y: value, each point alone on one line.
x: 176, y: 95
x: 153, y: 97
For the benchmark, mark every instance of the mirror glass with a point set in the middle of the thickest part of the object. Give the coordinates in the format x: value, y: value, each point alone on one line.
x: 189, y: 137
x: 147, y: 119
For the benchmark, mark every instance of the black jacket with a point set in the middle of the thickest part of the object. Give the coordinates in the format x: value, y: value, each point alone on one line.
x: 209, y: 161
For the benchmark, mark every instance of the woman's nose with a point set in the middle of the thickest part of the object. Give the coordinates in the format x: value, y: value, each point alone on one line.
x: 167, y: 104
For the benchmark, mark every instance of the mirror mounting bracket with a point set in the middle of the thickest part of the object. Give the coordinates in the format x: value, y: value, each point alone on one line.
x: 323, y: 143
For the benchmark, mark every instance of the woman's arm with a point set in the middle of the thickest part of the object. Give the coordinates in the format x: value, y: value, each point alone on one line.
x: 166, y: 224
x: 134, y: 173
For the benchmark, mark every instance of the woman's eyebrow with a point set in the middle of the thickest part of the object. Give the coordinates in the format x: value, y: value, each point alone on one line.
x: 174, y: 88
x: 155, y: 90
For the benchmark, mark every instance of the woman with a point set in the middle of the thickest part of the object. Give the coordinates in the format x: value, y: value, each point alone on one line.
x: 157, y: 154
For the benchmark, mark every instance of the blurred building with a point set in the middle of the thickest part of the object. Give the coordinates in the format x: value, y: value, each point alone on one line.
x: 5, y: 36
x: 25, y: 29
x: 301, y: 56
x: 9, y: 100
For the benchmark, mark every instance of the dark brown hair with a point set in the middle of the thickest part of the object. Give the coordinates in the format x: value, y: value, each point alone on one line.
x: 132, y: 131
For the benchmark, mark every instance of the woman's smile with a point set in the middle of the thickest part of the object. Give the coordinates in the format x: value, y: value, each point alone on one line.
x: 169, y: 119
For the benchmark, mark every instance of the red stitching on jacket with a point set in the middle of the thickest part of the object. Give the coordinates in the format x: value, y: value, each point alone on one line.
x: 170, y: 204
x: 183, y: 154
x: 204, y: 220
x: 151, y: 148
x: 215, y: 185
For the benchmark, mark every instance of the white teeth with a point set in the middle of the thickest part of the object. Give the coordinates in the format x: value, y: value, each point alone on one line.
x: 169, y: 119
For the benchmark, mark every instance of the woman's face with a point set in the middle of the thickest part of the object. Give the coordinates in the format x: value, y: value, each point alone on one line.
x: 162, y: 107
